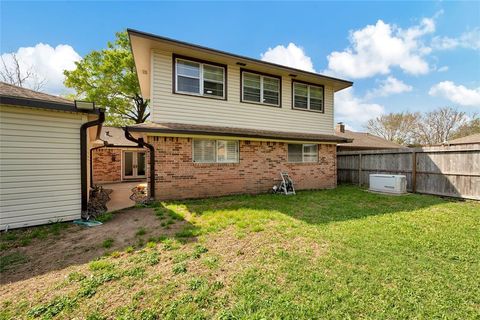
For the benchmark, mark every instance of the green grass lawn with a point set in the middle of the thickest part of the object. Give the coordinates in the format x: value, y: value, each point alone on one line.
x: 333, y: 254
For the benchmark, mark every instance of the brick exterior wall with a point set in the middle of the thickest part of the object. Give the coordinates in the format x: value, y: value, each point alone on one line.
x: 104, y: 169
x: 177, y: 177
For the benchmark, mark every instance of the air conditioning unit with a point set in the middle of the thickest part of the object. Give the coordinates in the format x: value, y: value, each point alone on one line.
x: 388, y: 183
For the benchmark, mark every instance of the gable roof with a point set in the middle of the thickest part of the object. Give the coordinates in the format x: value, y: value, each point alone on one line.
x: 366, y: 140
x: 18, y: 96
x: 142, y: 43
x: 471, y: 139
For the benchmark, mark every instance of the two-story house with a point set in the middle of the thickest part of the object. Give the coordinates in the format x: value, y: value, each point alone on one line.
x: 227, y: 124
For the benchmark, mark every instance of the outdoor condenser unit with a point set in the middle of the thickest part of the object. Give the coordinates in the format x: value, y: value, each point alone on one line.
x: 388, y: 183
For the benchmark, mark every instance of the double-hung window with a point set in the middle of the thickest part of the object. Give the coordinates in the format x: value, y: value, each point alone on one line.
x: 211, y: 151
x: 302, y: 153
x: 307, y: 97
x: 259, y: 88
x: 200, y: 79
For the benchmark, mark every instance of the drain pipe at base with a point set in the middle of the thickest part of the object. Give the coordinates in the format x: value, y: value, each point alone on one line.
x: 142, y: 144
x: 83, y: 155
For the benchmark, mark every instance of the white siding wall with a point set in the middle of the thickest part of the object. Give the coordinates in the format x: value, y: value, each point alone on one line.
x: 169, y: 107
x: 39, y: 166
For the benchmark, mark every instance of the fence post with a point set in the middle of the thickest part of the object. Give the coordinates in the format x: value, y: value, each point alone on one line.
x: 360, y: 169
x: 414, y: 171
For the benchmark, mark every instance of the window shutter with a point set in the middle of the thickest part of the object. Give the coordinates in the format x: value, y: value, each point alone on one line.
x: 203, y: 151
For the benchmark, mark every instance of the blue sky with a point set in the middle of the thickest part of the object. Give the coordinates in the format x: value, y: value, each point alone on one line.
x: 402, y: 56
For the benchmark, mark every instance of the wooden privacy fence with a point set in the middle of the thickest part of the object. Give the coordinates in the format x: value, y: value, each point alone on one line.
x: 444, y: 170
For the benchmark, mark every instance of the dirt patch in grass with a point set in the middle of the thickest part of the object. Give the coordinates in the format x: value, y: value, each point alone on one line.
x: 78, y: 245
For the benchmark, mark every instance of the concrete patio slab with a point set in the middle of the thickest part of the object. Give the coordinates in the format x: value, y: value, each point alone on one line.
x: 120, y: 197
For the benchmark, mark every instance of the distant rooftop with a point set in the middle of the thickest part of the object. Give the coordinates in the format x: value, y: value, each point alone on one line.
x: 474, y: 138
x: 364, y: 140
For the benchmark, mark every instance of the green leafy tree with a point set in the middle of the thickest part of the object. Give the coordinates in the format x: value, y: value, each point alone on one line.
x: 108, y: 77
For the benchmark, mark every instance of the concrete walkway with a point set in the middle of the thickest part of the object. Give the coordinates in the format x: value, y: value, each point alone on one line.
x: 120, y: 197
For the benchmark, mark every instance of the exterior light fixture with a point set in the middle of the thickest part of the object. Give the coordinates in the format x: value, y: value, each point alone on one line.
x: 84, y: 105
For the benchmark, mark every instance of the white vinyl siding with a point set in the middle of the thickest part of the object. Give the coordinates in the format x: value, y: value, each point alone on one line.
x: 199, y: 79
x: 39, y: 166
x: 302, y: 152
x: 169, y: 107
x: 210, y: 151
x: 308, y: 97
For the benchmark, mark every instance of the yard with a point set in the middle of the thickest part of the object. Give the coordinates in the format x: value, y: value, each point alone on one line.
x: 342, y: 253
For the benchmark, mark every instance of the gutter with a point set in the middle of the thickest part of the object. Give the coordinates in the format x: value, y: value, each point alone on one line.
x: 83, y: 154
x: 142, y: 144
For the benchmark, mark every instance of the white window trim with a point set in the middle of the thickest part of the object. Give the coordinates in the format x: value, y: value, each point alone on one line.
x: 261, y: 89
x: 200, y: 78
x: 303, y: 153
x: 237, y: 160
x: 308, y: 97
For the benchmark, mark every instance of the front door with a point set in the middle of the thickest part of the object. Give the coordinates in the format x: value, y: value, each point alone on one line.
x: 133, y: 164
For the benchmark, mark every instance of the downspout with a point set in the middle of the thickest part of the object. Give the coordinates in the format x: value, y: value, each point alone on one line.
x: 105, y: 145
x: 142, y: 144
x: 83, y: 154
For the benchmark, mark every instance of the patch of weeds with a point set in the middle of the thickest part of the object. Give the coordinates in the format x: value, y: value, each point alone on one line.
x: 198, y: 250
x: 90, y: 285
x: 100, y: 265
x: 25, y: 242
x: 187, y: 233
x: 76, y: 276
x: 152, y: 239
x: 151, y: 244
x: 170, y: 221
x: 57, y: 227
x: 163, y: 224
x: 217, y: 285
x: 175, y: 216
x: 96, y: 316
x: 180, y: 257
x: 108, y: 243
x: 141, y: 231
x: 9, y: 236
x: 140, y: 243
x: 195, y: 283
x: 136, y: 272
x: 170, y: 244
x: 211, y: 262
x: 129, y: 249
x: 149, y: 314
x: 104, y: 217
x: 179, y: 268
x: 152, y: 258
x: 257, y: 228
x: 10, y: 260
x: 53, y: 308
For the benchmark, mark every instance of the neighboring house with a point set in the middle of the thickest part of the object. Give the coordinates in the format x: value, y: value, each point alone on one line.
x: 362, y: 140
x: 471, y: 139
x: 121, y: 160
x: 43, y: 174
x: 227, y: 124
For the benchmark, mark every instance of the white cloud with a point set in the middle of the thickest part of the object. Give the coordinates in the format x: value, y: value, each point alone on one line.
x: 456, y: 93
x: 354, y: 111
x: 377, y: 48
x: 469, y: 40
x: 47, y: 62
x: 291, y: 56
x: 442, y: 69
x: 389, y: 86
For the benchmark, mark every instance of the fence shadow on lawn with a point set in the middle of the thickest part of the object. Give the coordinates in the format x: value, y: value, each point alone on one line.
x: 74, y: 245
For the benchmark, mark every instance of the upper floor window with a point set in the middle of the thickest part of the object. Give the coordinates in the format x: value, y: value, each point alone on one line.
x: 302, y: 152
x: 307, y: 97
x: 198, y: 78
x: 259, y: 88
x: 211, y: 151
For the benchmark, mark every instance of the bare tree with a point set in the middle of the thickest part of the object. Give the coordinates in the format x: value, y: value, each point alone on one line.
x: 23, y: 78
x: 396, y: 127
x: 439, y: 125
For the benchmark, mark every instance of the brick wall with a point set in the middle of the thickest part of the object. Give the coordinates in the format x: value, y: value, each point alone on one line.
x: 104, y: 169
x: 259, y: 169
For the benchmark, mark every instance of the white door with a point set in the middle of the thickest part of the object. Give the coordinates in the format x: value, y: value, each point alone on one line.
x: 134, y: 164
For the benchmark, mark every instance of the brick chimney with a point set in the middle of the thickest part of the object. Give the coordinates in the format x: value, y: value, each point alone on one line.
x: 340, y: 127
